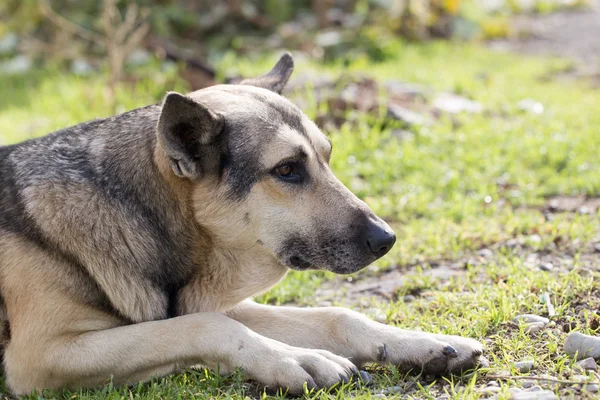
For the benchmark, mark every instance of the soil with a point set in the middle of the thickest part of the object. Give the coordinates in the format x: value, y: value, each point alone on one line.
x: 570, y: 34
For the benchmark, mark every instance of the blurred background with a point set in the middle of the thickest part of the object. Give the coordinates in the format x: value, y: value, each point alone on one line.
x: 196, y: 37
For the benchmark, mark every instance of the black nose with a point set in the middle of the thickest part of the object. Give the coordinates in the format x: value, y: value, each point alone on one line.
x: 380, y: 240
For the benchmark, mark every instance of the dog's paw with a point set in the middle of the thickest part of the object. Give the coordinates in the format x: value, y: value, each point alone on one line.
x: 469, y: 353
x: 430, y: 354
x: 290, y: 368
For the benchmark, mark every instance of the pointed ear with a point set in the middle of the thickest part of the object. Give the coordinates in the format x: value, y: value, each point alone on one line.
x: 185, y: 127
x: 276, y: 79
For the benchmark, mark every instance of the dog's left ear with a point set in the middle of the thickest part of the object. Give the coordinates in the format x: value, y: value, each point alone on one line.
x: 185, y: 130
x: 276, y: 79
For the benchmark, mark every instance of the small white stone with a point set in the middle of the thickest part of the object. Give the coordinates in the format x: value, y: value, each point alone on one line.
x: 377, y: 315
x: 531, y: 106
x: 535, y: 327
x: 485, y: 253
x: 530, y: 318
x: 583, y: 346
x: 539, y: 395
x: 409, y: 298
x: 591, y: 387
x: 524, y: 366
x: 546, y: 266
x: 527, y: 384
x: 489, y: 390
x: 534, y: 238
x: 533, y: 388
x: 393, y: 389
x: 588, y: 364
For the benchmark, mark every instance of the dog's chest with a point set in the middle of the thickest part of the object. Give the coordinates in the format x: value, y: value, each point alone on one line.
x: 227, y: 280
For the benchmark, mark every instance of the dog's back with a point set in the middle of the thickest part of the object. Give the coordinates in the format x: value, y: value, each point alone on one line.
x: 90, y: 196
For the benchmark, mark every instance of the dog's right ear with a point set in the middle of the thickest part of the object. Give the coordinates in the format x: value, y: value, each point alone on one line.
x: 184, y: 127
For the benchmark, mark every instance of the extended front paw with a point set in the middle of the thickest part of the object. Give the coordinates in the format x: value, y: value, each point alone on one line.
x: 291, y: 368
x: 428, y: 353
x: 468, y: 353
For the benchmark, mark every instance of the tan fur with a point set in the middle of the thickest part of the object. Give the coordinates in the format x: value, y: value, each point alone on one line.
x: 50, y: 200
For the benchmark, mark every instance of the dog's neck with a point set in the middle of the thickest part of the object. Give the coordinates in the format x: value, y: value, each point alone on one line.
x: 224, y: 276
x: 228, y: 277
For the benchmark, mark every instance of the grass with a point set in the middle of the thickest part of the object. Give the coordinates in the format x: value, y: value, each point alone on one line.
x: 432, y: 186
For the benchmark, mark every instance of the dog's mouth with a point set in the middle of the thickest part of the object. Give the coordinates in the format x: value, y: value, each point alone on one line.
x: 299, y: 263
x: 343, y: 255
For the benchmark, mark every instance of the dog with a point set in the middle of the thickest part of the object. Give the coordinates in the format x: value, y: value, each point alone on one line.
x: 130, y: 248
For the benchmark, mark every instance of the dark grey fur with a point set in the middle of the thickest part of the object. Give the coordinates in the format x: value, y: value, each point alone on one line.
x: 131, y: 188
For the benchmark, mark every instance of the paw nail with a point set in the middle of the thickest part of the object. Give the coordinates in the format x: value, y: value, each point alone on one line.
x: 366, y: 377
x: 344, y: 379
x: 450, y: 351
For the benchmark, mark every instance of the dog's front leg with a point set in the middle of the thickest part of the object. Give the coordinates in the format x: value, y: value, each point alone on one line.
x: 136, y: 352
x: 352, y: 335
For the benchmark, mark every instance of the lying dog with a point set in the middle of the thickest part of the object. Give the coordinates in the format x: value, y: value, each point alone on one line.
x: 130, y: 245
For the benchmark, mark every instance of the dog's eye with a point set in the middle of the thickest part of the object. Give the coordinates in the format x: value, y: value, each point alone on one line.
x: 289, y: 172
x: 285, y: 170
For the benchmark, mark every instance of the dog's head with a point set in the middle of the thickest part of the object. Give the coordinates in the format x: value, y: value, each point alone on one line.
x: 260, y: 174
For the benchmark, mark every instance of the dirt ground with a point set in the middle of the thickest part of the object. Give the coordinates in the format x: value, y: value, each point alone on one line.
x: 571, y: 34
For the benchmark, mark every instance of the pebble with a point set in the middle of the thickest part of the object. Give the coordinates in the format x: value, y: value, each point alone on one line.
x: 584, y: 346
x: 539, y: 395
x: 534, y: 388
x: 511, y: 243
x: 483, y: 362
x: 531, y: 106
x: 454, y: 104
x: 535, y: 327
x: 377, y: 315
x: 591, y: 387
x: 409, y: 298
x: 527, y: 384
x: 490, y: 390
x: 485, y: 253
x: 530, y: 318
x: 493, y: 383
x: 9, y: 43
x: 393, y: 389
x: 405, y: 115
x: 533, y: 323
x: 534, y: 238
x: 18, y: 65
x: 588, y: 364
x: 546, y: 266
x: 365, y: 377
x: 524, y: 366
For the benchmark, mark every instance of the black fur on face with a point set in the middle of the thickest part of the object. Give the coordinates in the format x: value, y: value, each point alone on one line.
x: 340, y: 252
